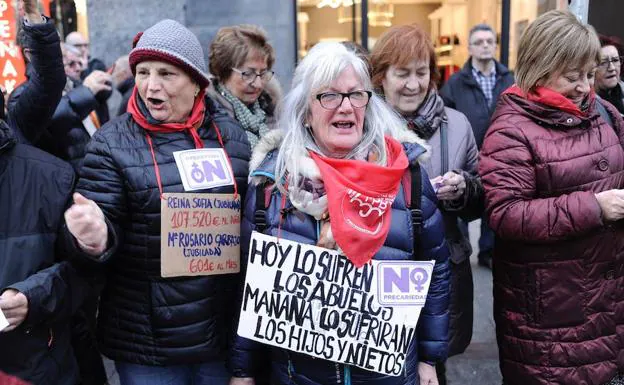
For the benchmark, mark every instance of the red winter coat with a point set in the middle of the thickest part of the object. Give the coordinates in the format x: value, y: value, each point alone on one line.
x: 558, y: 268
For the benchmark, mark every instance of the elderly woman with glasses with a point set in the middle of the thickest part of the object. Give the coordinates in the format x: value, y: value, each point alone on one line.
x: 405, y: 71
x: 553, y: 172
x: 240, y: 62
x: 608, y: 84
x: 335, y: 137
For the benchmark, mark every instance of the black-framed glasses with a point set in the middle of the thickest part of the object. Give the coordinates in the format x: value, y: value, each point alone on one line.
x: 333, y: 100
x: 604, y: 64
x: 249, y: 76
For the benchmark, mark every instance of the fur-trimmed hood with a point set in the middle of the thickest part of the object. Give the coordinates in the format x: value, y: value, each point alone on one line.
x: 415, y: 147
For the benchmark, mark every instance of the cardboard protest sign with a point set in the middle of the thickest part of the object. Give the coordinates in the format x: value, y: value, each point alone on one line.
x: 315, y: 301
x: 199, y: 234
x: 203, y: 168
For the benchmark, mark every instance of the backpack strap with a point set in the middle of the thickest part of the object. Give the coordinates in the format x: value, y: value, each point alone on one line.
x: 602, y: 110
x: 414, y: 207
x: 260, y: 213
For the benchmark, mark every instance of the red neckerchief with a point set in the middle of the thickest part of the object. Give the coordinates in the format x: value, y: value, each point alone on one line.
x: 195, y: 120
x: 359, y: 199
x: 192, y: 123
x: 547, y: 96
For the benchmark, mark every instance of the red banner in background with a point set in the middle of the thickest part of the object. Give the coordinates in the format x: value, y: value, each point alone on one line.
x: 45, y: 4
x: 12, y: 68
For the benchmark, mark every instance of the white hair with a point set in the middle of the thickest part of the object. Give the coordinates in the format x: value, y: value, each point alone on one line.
x: 321, y: 67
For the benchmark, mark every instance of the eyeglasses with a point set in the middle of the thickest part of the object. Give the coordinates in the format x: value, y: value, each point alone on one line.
x: 480, y: 42
x: 250, y: 76
x: 72, y: 63
x: 333, y: 100
x: 604, y: 64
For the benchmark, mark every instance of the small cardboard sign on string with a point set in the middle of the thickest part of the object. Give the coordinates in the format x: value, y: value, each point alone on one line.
x: 204, y: 168
x: 199, y: 234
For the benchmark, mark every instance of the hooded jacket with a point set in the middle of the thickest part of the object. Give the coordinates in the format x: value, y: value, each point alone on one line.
x: 431, y: 345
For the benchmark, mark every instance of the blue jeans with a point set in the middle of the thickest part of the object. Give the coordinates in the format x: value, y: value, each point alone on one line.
x: 210, y: 373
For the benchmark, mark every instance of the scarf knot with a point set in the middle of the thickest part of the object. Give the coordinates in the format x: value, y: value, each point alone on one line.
x: 428, y: 117
x: 359, y: 197
x: 141, y: 115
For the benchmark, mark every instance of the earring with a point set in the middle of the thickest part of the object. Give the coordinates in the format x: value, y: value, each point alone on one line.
x: 197, y: 92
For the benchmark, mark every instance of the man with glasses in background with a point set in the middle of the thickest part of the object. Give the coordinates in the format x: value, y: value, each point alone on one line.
x: 89, y: 64
x: 474, y: 91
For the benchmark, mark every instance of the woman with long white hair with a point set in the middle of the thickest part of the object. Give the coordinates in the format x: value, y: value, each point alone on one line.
x: 336, y: 136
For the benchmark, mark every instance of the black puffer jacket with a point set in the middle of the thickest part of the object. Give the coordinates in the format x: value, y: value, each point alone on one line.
x: 35, y: 189
x: 145, y: 319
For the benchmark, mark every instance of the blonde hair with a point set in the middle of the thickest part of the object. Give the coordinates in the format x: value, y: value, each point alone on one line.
x: 233, y: 45
x: 554, y: 43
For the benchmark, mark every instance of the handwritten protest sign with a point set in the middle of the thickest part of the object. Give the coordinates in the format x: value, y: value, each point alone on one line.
x: 315, y: 301
x: 199, y: 234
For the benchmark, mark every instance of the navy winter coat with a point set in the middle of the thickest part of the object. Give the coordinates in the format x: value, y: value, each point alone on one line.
x: 288, y: 367
x: 65, y: 136
x: 463, y: 93
x: 143, y: 318
x: 35, y: 190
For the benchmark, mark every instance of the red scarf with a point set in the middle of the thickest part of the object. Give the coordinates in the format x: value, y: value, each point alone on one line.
x: 548, y: 97
x: 359, y: 199
x: 192, y: 123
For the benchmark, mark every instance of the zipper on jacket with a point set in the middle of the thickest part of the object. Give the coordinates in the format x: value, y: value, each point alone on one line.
x: 290, y: 370
x: 338, y: 379
x: 347, y: 374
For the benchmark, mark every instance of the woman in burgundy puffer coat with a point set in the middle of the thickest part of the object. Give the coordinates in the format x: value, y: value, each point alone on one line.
x: 552, y: 166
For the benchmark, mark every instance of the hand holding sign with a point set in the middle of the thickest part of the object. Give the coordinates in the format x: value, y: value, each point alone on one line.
x: 86, y: 223
x: 14, y: 305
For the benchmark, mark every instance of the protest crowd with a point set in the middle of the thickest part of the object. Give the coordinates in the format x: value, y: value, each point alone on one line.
x: 196, y: 222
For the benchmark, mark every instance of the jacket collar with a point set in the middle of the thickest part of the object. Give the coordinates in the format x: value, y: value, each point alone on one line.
x: 544, y: 114
x: 466, y: 71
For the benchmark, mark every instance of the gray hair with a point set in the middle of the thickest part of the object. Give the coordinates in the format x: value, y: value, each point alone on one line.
x: 480, y: 27
x: 322, y: 66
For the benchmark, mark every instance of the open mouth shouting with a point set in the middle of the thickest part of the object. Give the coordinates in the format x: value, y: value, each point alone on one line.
x: 155, y: 104
x: 344, y: 125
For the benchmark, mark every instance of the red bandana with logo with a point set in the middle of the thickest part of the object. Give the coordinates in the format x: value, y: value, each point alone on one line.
x: 359, y: 198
